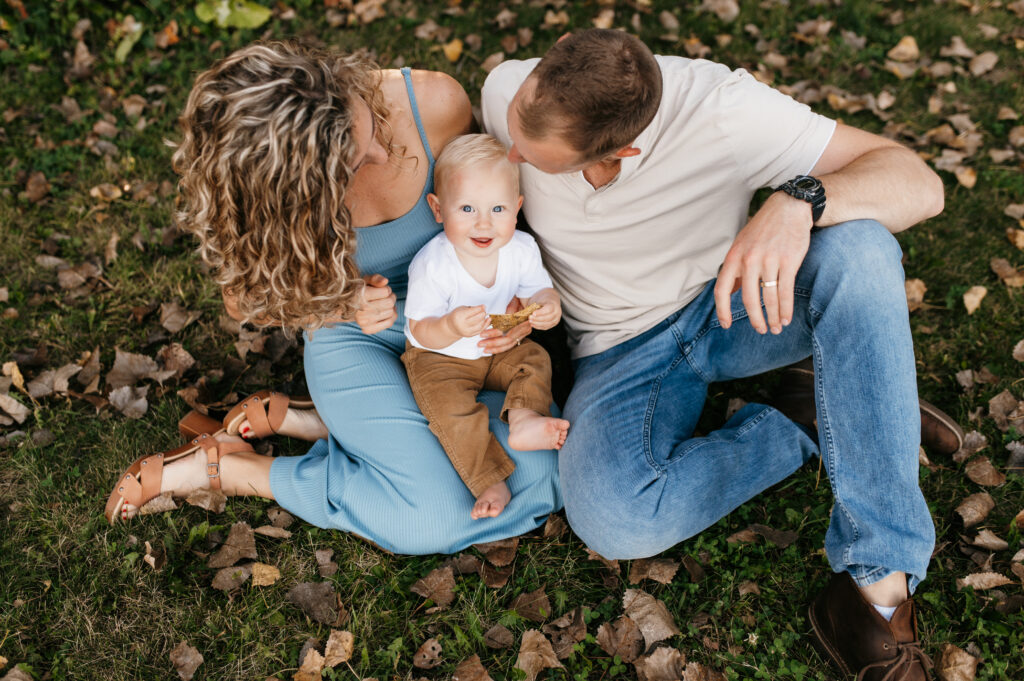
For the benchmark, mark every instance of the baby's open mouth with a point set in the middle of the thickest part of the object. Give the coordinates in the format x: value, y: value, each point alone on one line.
x: 482, y: 243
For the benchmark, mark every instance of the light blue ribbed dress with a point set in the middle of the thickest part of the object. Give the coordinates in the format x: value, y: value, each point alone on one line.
x: 382, y: 474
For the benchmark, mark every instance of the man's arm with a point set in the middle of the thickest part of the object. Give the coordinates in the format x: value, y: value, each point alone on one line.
x: 865, y: 177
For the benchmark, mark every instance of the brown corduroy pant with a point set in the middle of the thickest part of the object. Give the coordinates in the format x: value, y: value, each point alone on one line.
x: 446, y: 389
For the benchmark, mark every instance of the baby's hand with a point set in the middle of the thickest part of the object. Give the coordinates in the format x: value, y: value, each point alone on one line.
x: 547, y: 316
x: 467, y: 322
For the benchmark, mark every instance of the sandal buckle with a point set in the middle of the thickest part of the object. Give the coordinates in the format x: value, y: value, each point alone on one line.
x: 213, y: 470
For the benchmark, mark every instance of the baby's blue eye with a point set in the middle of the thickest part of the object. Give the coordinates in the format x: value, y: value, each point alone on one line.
x: 498, y: 209
x: 467, y: 209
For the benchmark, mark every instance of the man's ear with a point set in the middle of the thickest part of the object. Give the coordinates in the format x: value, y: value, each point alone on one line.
x: 435, y: 206
x: 626, y: 152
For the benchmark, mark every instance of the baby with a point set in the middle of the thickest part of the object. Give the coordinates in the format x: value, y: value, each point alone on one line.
x: 461, y: 276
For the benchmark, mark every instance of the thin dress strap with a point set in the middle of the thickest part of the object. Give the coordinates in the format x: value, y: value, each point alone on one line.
x: 407, y: 73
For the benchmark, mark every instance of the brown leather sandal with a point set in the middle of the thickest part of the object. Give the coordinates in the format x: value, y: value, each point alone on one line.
x: 265, y: 412
x: 196, y: 423
x: 141, y: 481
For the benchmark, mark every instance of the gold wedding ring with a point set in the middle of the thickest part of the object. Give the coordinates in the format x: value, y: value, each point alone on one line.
x: 769, y: 284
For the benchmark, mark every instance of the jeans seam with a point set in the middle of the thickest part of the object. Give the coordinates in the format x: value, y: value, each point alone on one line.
x: 652, y: 401
x: 740, y: 432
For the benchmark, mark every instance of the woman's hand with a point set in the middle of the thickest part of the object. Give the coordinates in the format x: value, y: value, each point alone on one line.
x: 378, y: 311
x: 494, y: 341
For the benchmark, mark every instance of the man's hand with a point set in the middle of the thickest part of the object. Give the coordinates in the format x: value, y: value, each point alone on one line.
x: 378, y: 311
x: 770, y: 248
x: 550, y: 312
x: 466, y: 322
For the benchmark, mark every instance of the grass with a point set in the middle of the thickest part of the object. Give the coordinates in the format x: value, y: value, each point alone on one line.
x: 77, y: 600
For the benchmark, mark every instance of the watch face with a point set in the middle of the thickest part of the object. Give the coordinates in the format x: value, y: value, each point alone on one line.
x: 806, y: 183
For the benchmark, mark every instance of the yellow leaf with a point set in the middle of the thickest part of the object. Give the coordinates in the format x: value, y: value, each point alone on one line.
x: 915, y: 293
x: 972, y: 299
x: 905, y: 50
x: 12, y: 371
x: 453, y: 50
x: 966, y: 176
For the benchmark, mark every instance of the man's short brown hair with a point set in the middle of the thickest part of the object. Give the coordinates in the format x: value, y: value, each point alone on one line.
x: 596, y: 89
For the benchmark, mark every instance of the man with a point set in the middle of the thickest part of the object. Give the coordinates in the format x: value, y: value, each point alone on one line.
x: 638, y: 172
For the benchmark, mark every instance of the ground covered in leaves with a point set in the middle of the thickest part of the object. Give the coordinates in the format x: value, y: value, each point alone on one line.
x: 111, y: 329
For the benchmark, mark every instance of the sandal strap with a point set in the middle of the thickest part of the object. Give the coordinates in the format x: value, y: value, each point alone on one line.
x: 212, y: 449
x: 138, y: 490
x: 257, y: 416
x: 277, y: 409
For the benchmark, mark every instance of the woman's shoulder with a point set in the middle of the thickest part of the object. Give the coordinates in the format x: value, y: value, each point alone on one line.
x: 442, y: 102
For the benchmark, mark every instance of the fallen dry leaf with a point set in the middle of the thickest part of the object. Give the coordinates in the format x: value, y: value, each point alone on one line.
x: 749, y: 588
x: 498, y: 637
x: 15, y: 409
x: 106, y: 192
x: 621, y: 637
x: 983, y: 63
x: 264, y: 575
x: 428, y: 655
x: 1018, y: 351
x: 176, y: 358
x: 130, y: 401
x: 966, y: 176
x: 52, y: 381
x: 664, y: 664
x: 980, y: 581
x: 650, y: 614
x: 311, y: 667
x: 744, y: 536
x: 36, y: 187
x: 492, y: 61
x: 976, y: 508
x: 174, y: 317
x: 324, y: 564
x: 555, y: 20
x: 464, y: 564
x: 159, y: 504
x: 536, y: 654
x: 155, y: 556
x: 279, y: 517
x: 1009, y: 274
x: 955, y: 664
x: 972, y: 299
x: 612, y: 565
x: 981, y: 471
x: 241, y: 543
x: 339, y: 648
x: 726, y: 10
x: 186, y: 660
x: 1001, y: 407
x: 453, y: 50
x: 495, y: 577
x: 661, y: 570
x: 213, y: 500
x: 499, y: 553
x: 129, y: 368
x: 957, y: 48
x: 438, y: 585
x: 167, y: 36
x: 905, y: 50
x: 973, y: 442
x: 533, y: 606
x: 555, y: 526
x: 271, y: 531
x: 318, y: 601
x: 604, y: 19
x: 915, y: 293
x: 566, y: 631
x: 988, y: 540
x: 231, y: 578
x: 695, y: 671
x: 471, y: 669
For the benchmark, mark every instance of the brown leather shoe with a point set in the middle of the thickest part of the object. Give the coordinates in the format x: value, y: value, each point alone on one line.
x: 795, y: 398
x: 849, y: 631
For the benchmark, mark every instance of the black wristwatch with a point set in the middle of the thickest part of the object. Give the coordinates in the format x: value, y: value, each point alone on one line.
x: 809, y: 189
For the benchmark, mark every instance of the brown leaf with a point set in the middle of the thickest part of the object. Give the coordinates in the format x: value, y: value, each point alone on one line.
x: 966, y: 176
x: 972, y: 299
x: 174, y: 317
x: 318, y: 601
x: 129, y: 368
x: 176, y: 358
x: 492, y: 61
x: 37, y: 187
x: 106, y: 192
x: 271, y: 531
x: 264, y: 575
x: 167, y: 36
x: 186, y: 660
x: 555, y: 526
x: 973, y: 442
x: 213, y: 500
x: 664, y: 664
x: 231, y: 578
x: 981, y: 471
x: 555, y: 20
x: 980, y: 581
x: 241, y: 543
x: 957, y: 48
x: 650, y: 614
x: 749, y: 588
x: 743, y: 536
x: 311, y: 667
x: 15, y: 409
x: 52, y: 381
x: 499, y: 553
x: 956, y: 665
x: 915, y: 293
x: 988, y: 540
x: 612, y: 565
x: 695, y: 671
x: 1016, y: 136
x: 726, y: 10
x: 79, y: 275
x: 155, y: 557
x: 566, y: 631
x: 694, y: 568
x: 471, y: 669
x: 983, y: 63
x: 533, y: 606
x: 159, y: 504
x: 1018, y: 519
x: 905, y: 50
x: 339, y: 648
x: 81, y: 62
x: 495, y: 577
x: 1009, y: 274
x: 464, y: 564
x: 661, y: 570
x: 621, y: 637
x: 325, y: 565
x: 605, y: 18
x: 280, y: 517
x: 976, y: 508
x: 133, y: 105
x: 1000, y: 407
x: 536, y: 654
x: 428, y: 655
x: 498, y: 637
x: 781, y: 538
x: 130, y: 401
x: 438, y: 585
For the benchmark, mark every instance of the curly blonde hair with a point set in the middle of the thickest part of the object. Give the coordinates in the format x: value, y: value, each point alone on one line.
x: 265, y: 161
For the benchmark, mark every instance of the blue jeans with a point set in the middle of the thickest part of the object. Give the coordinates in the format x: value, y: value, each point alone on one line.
x: 635, y: 481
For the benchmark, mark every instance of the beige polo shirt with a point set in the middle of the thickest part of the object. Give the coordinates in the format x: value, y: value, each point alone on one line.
x: 626, y: 256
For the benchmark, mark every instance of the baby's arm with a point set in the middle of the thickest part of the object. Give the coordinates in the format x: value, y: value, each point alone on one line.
x: 440, y: 332
x: 550, y: 311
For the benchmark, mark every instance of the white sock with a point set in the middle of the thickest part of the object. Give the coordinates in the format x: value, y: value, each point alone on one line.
x: 885, y: 611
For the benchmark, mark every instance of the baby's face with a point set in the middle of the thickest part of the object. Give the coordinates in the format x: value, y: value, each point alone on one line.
x: 478, y: 207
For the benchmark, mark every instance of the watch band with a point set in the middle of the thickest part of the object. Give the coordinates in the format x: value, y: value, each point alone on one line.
x: 809, y: 189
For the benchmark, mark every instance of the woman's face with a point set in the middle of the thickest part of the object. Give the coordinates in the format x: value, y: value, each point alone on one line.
x: 369, y: 151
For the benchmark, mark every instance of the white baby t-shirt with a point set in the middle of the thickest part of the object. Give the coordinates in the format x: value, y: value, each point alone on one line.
x: 438, y: 283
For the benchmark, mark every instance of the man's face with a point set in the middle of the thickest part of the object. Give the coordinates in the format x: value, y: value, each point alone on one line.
x: 552, y: 155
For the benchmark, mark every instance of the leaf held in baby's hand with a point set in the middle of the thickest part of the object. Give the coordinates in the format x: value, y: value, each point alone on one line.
x: 504, y: 322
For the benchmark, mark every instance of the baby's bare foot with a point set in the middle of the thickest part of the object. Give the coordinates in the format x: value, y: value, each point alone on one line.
x: 183, y: 476
x: 491, y: 502
x: 302, y: 424
x: 528, y: 430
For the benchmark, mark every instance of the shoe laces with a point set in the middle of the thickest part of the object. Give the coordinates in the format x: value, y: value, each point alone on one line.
x: 906, y: 654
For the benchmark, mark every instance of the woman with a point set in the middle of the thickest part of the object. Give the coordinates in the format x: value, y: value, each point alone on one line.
x: 290, y: 159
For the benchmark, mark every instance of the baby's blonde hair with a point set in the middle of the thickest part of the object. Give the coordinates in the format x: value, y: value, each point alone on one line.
x: 266, y: 156
x: 467, y: 150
